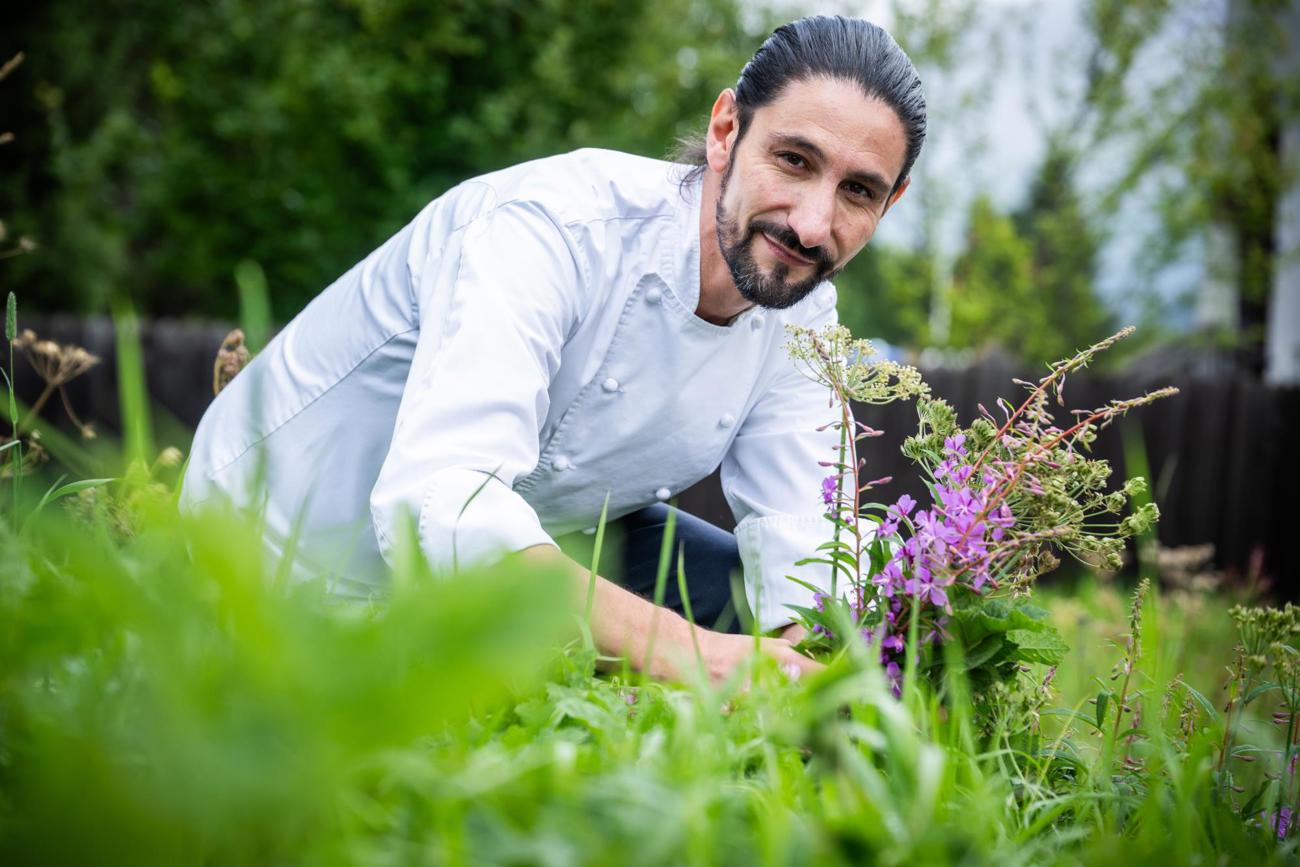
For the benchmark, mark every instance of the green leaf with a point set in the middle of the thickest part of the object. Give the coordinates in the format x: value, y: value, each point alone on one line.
x: 1258, y: 691
x: 813, y: 587
x: 998, y: 616
x: 1248, y: 811
x: 812, y: 617
x: 1070, y: 713
x: 1046, y: 646
x: 832, y: 545
x: 57, y: 493
x: 878, y: 556
x: 984, y: 651
x: 1205, y: 703
x: 1103, y: 699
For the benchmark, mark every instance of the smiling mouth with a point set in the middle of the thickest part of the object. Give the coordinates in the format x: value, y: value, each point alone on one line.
x: 784, y: 253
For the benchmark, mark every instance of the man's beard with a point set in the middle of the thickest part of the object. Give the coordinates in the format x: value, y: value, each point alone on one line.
x: 772, y: 291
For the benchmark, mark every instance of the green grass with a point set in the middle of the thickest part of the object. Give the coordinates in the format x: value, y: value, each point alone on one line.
x: 164, y: 701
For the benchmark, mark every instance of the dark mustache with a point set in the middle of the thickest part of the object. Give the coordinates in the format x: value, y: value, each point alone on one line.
x: 786, y: 237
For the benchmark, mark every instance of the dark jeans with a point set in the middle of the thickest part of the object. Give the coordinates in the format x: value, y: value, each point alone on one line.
x: 630, y: 557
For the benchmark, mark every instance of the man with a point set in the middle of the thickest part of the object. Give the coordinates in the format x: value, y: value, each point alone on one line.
x: 590, y: 326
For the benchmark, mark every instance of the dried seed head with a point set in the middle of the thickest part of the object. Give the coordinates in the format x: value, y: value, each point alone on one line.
x: 231, y: 359
x: 168, y: 458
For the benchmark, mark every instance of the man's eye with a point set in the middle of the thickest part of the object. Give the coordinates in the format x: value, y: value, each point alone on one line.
x: 858, y: 190
x: 794, y: 160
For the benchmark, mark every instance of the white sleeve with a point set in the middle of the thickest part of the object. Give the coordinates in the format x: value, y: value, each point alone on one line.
x: 772, y: 482
x: 496, y: 304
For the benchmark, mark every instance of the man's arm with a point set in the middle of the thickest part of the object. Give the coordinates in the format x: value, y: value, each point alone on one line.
x: 622, y: 624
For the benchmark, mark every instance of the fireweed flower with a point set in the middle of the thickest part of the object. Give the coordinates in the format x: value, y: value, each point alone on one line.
x: 1007, y: 492
x: 1280, y: 821
x: 829, y: 485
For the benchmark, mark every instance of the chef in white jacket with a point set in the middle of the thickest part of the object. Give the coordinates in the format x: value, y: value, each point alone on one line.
x: 588, y: 326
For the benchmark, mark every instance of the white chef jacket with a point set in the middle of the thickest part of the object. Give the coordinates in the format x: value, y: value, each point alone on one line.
x: 523, y: 348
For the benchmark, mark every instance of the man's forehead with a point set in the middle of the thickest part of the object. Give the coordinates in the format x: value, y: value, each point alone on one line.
x: 860, y: 134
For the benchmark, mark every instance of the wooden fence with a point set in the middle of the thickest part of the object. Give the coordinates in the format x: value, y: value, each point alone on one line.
x: 1222, y: 454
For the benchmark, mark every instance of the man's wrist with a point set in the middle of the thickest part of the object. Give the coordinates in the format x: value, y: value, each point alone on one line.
x: 793, y: 632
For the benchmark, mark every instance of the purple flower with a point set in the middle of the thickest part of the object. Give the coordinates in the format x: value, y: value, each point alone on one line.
x: 955, y: 444
x: 938, y: 598
x: 829, y: 485
x: 1280, y: 821
x: 893, y: 642
x: 895, y: 676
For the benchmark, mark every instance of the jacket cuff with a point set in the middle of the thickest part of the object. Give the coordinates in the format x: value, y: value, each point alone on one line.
x: 769, y: 547
x: 469, y: 518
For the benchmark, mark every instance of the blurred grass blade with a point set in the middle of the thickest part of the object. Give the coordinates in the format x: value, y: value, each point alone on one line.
x: 595, y: 559
x: 11, y: 333
x: 137, y: 432
x: 254, y: 305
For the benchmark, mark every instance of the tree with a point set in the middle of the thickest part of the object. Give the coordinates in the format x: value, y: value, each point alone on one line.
x: 1026, y: 281
x: 884, y: 293
x: 1064, y: 245
x: 162, y: 143
x: 1197, y: 95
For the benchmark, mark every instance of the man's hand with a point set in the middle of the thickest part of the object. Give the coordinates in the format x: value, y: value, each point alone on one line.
x: 722, y: 654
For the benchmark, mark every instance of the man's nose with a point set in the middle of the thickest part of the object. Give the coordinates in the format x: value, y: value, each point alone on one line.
x: 812, y: 216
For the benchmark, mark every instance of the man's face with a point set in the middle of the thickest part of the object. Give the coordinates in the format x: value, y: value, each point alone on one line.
x: 805, y: 188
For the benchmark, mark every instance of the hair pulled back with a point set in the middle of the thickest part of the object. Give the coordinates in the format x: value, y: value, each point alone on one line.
x: 821, y: 46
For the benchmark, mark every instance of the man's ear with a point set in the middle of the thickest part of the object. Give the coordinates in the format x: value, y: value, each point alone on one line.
x: 897, y: 194
x: 724, y: 126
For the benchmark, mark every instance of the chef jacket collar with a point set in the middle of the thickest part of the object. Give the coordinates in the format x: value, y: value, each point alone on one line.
x: 680, y: 262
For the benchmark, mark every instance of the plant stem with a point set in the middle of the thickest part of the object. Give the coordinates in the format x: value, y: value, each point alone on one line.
x: 36, y: 407
x: 839, y: 482
x: 847, y: 421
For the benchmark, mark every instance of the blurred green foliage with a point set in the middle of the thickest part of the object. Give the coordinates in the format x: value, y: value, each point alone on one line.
x: 164, y: 699
x: 158, y: 144
x: 1025, y: 280
x: 885, y: 293
x: 1198, y: 96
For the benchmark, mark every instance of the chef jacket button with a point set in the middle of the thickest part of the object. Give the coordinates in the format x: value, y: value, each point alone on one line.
x: 727, y: 420
x: 561, y: 462
x: 654, y: 295
x: 663, y: 494
x: 610, y: 384
x: 757, y: 321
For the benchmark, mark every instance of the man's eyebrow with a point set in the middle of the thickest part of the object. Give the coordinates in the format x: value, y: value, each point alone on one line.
x: 873, y: 181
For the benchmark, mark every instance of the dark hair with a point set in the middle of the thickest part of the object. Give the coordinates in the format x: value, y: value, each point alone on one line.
x: 848, y: 49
